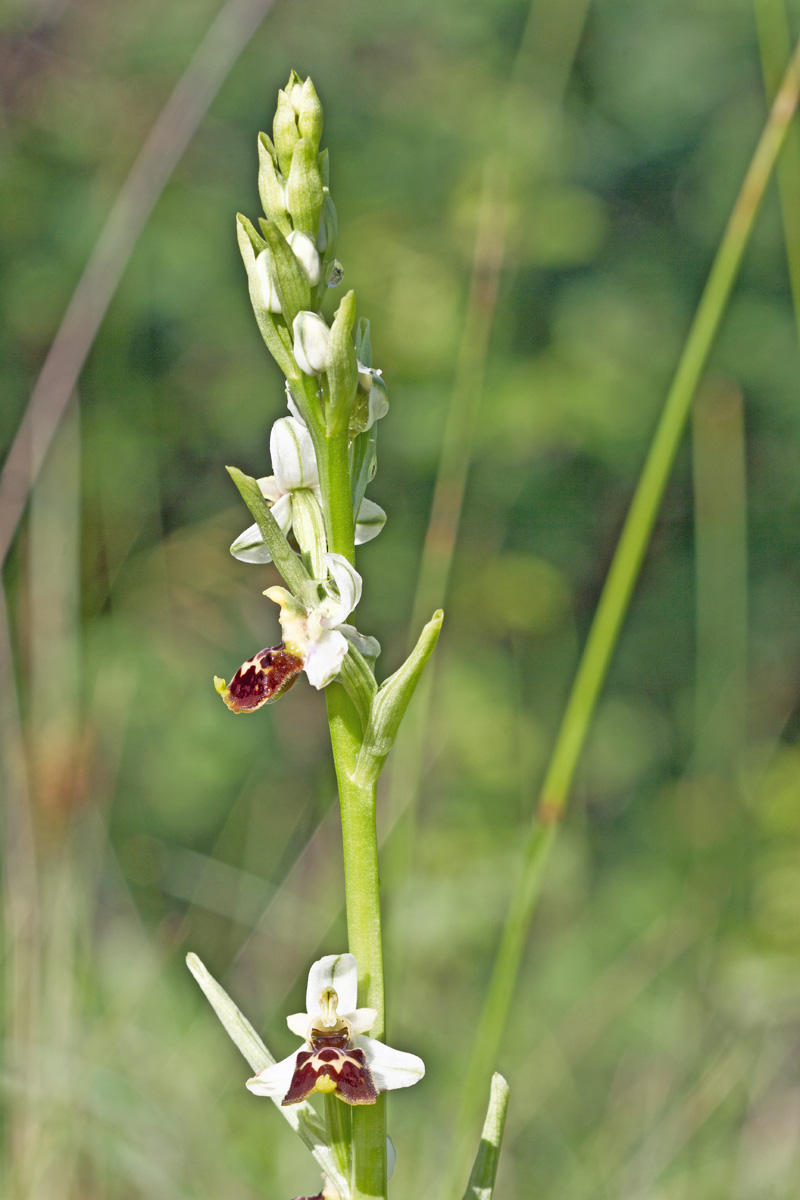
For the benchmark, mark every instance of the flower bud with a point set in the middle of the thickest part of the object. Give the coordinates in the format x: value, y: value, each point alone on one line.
x: 304, y: 193
x: 306, y: 254
x: 268, y: 291
x: 309, y: 114
x: 284, y: 131
x: 271, y: 189
x: 311, y: 338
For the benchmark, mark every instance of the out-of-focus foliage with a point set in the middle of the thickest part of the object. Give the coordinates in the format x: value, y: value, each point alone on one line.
x: 655, y: 1037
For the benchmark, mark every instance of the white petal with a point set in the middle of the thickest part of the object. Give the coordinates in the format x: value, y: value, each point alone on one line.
x: 390, y: 1068
x: 306, y: 254
x: 369, y: 522
x: 298, y: 1023
x: 348, y: 585
x: 324, y: 658
x: 268, y: 293
x: 361, y: 1020
x: 337, y: 971
x: 378, y: 401
x: 249, y: 547
x: 275, y: 1080
x: 291, y: 405
x: 282, y: 512
x: 268, y: 486
x: 311, y: 336
x: 292, y: 453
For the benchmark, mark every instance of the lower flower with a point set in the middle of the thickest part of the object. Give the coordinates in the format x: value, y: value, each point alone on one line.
x: 336, y: 1057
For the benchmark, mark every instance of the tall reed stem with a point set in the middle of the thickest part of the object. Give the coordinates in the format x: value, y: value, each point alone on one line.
x: 614, y: 601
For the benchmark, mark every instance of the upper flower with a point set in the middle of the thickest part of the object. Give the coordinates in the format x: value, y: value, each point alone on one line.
x: 295, y: 465
x: 336, y: 1056
x: 315, y: 640
x: 314, y: 635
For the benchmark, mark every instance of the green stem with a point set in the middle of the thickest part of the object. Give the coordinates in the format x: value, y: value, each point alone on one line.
x: 362, y: 897
x: 359, y: 837
x: 339, y: 1130
x: 616, y: 595
x: 333, y: 456
x: 775, y: 45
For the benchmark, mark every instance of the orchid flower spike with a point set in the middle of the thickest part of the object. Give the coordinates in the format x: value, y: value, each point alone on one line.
x: 336, y: 1056
x: 295, y: 467
x: 314, y: 640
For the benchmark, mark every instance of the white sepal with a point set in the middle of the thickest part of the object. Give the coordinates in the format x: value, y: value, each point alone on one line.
x: 293, y: 459
x: 250, y: 547
x: 337, y: 971
x: 370, y: 380
x: 341, y: 602
x: 311, y: 337
x: 274, y: 1080
x: 292, y: 406
x: 369, y: 522
x: 390, y: 1068
x: 325, y: 657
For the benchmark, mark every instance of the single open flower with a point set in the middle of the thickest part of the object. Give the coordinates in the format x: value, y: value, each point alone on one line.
x: 336, y: 1056
x: 314, y: 635
x: 295, y: 467
x: 315, y: 640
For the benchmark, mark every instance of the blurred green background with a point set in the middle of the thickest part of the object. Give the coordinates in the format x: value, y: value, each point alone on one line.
x: 654, y: 1045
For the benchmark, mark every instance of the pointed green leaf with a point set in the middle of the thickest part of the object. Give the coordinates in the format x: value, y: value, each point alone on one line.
x: 288, y: 276
x: 390, y: 704
x: 358, y: 681
x: 484, y: 1171
x: 363, y: 343
x: 284, y: 557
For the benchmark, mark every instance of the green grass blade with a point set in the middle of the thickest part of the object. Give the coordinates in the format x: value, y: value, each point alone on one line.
x: 617, y: 592
x: 484, y: 1170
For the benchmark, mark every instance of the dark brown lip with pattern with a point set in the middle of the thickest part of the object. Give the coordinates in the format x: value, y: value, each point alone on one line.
x: 261, y: 680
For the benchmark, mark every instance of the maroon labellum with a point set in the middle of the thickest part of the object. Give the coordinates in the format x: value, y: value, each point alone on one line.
x: 263, y: 678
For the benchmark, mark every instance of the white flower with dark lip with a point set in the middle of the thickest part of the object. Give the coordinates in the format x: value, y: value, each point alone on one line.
x: 295, y: 467
x: 336, y: 1055
x: 318, y: 635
